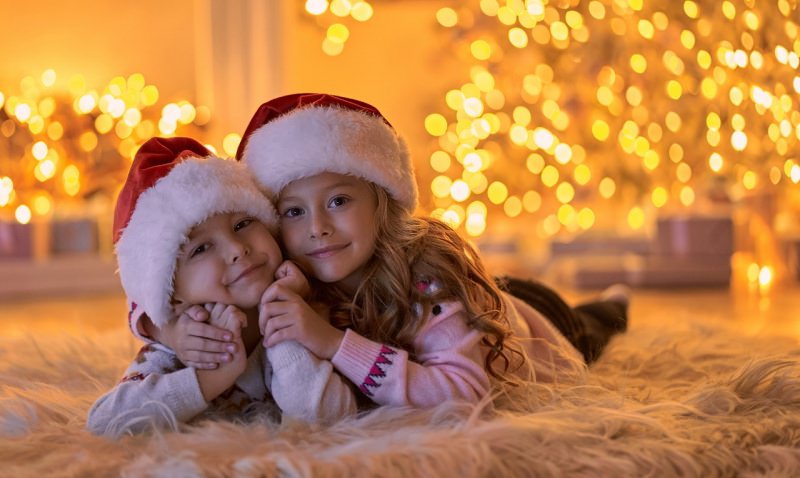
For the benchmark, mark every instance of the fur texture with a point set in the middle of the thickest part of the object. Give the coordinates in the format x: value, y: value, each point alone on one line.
x: 193, y: 191
x: 311, y: 140
x: 687, y: 400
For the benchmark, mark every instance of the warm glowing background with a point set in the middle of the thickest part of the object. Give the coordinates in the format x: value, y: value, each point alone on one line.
x: 531, y: 122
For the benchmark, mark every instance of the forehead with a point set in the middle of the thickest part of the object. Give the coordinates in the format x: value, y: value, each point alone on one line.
x: 321, y: 183
x: 214, y: 222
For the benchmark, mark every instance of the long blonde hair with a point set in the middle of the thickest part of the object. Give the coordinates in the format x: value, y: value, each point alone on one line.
x: 409, y: 249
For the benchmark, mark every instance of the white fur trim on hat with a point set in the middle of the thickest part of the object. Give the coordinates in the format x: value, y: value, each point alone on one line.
x: 165, y: 214
x: 312, y: 140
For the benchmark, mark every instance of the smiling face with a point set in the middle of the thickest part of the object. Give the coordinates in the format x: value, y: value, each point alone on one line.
x: 328, y: 226
x: 230, y: 258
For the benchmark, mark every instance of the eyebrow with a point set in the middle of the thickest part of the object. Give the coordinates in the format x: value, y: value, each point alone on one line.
x: 340, y: 184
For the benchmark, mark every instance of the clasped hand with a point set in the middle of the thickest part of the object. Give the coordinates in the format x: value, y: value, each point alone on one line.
x: 284, y: 315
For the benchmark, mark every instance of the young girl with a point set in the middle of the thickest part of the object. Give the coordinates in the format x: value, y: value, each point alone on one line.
x: 414, y: 317
x: 193, y: 229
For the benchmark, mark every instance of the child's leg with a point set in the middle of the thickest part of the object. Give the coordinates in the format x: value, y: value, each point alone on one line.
x: 589, y: 326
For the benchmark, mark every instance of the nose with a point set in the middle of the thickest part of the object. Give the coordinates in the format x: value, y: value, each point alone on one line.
x: 236, y: 250
x: 320, y: 226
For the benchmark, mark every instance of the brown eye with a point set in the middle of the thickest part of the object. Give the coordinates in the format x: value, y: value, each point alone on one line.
x: 199, y: 249
x: 242, y: 224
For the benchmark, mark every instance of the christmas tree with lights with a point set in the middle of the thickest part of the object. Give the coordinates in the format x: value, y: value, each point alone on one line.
x: 583, y: 114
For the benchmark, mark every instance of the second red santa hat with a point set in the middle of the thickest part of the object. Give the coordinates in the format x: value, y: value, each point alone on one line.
x: 301, y: 135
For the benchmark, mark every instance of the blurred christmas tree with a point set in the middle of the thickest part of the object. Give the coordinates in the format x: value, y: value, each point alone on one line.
x: 62, y: 145
x: 574, y: 108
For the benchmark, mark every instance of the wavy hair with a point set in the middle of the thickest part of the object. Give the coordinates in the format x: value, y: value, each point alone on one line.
x: 409, y: 249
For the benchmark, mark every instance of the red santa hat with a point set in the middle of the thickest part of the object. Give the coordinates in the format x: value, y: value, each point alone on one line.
x: 301, y: 135
x: 173, y: 185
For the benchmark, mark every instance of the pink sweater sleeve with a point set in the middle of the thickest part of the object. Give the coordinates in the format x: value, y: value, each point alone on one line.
x: 447, y: 363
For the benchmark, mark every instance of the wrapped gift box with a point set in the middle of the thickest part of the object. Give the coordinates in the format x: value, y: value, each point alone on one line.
x: 73, y: 236
x: 694, y: 236
x: 686, y: 251
x: 16, y: 240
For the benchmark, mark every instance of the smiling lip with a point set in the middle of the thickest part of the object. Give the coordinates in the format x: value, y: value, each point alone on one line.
x: 327, y: 251
x: 246, y: 272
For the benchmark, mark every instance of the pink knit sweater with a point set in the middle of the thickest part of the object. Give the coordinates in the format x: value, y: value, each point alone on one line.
x: 448, y: 360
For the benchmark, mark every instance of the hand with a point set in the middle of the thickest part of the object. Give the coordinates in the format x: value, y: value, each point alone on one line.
x: 215, y: 382
x: 284, y: 315
x: 290, y: 276
x: 196, y: 343
x: 227, y: 317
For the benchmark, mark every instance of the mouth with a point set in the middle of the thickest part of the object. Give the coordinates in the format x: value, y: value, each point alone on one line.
x: 248, y: 271
x: 327, y: 251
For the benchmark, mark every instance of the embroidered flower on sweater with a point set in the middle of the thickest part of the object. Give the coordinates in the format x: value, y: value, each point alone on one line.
x: 377, y: 371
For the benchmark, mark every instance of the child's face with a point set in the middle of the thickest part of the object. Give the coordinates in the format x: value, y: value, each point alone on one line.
x: 229, y: 258
x: 328, y: 226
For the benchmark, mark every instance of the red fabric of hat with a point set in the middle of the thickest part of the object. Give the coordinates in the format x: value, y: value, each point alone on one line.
x: 154, y: 160
x: 280, y: 106
x: 302, y: 135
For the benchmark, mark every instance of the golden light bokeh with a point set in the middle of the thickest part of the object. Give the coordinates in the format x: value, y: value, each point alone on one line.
x: 67, y: 141
x: 644, y: 103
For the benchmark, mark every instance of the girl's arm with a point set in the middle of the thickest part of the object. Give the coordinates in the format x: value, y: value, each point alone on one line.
x: 303, y: 385
x: 448, y: 363
x: 306, y: 387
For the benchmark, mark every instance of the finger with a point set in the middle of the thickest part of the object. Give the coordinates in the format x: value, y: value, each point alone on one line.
x: 272, y: 309
x: 208, y: 331
x: 218, y: 309
x: 202, y: 365
x: 282, y: 270
x: 197, y: 313
x: 208, y: 357
x: 235, y: 318
x: 277, y: 292
x: 210, y: 346
x: 277, y: 337
x: 277, y: 323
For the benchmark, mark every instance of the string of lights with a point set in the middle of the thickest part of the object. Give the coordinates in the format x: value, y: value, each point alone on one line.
x: 58, y: 147
x: 567, y: 106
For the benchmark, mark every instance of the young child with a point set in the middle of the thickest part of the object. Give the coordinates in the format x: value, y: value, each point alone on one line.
x: 193, y: 230
x: 414, y: 317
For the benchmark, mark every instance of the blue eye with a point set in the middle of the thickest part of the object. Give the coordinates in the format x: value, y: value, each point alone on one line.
x: 339, y: 201
x: 292, y: 212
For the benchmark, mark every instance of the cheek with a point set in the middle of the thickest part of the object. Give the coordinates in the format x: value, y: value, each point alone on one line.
x: 193, y: 282
x: 290, y: 236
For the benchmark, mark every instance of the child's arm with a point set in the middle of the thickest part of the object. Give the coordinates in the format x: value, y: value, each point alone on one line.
x: 202, y: 345
x: 155, y: 392
x: 196, y: 343
x: 447, y: 358
x: 214, y: 382
x: 306, y: 387
x: 321, y: 394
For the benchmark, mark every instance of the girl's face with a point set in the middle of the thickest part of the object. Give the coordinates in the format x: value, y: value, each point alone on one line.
x: 328, y: 226
x: 229, y: 258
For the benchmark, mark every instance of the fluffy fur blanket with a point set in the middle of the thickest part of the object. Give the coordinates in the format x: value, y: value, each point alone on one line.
x: 678, y: 399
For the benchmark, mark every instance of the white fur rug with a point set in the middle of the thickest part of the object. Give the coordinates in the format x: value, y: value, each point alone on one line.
x: 671, y: 400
